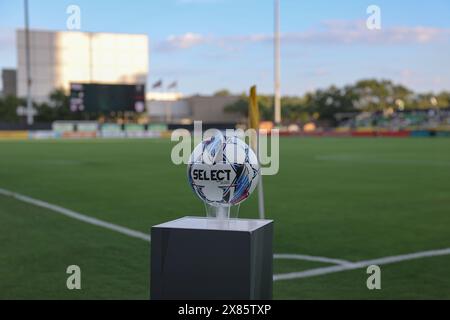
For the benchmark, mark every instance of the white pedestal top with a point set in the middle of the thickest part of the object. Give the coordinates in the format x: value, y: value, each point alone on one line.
x: 203, y: 223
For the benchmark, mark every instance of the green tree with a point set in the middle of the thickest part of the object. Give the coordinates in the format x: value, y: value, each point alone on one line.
x: 365, y: 95
x: 222, y: 93
x: 58, y: 108
x: 294, y: 109
x: 240, y: 106
x: 327, y: 103
x: 431, y: 100
x: 8, y: 108
x: 265, y: 104
x: 375, y: 95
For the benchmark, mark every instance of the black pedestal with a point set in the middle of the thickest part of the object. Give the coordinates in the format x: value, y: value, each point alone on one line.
x: 201, y: 258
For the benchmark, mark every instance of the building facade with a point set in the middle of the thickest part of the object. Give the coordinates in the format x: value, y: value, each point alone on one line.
x: 212, y: 109
x: 208, y: 109
x: 60, y: 58
x: 9, y: 80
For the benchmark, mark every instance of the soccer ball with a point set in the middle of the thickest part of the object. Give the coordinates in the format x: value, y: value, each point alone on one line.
x: 223, y: 170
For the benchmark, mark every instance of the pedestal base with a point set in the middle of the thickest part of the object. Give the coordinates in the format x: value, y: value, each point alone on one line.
x: 201, y: 258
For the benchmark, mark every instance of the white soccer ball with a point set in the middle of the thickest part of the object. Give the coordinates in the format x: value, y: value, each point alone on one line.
x: 223, y: 170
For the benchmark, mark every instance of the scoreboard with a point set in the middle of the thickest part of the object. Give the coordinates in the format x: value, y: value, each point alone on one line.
x: 106, y: 98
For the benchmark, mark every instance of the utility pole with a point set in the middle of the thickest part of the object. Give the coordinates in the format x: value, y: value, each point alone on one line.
x: 277, y: 102
x: 27, y: 57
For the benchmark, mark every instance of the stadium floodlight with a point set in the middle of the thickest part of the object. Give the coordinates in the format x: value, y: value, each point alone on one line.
x: 277, y: 86
x: 223, y: 171
x: 27, y: 54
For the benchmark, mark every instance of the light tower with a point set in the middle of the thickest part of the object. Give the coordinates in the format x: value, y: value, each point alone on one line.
x: 29, y: 109
x: 277, y: 102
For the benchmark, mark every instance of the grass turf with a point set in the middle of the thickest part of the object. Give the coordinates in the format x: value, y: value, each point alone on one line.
x: 352, y: 199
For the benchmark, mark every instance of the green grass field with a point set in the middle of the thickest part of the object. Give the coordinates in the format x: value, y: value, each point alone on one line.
x: 353, y: 199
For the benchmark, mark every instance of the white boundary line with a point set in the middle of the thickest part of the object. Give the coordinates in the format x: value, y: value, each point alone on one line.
x: 76, y: 215
x: 341, y: 265
x: 361, y: 264
x: 130, y: 232
x: 311, y: 258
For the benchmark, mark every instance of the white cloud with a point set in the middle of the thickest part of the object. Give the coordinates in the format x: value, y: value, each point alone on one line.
x: 7, y: 39
x: 184, y: 41
x: 329, y: 32
x: 356, y: 32
x: 321, y: 72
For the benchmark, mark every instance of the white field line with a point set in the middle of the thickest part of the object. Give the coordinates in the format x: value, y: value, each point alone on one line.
x: 76, y: 215
x: 137, y: 234
x: 311, y: 258
x: 361, y: 264
x: 342, y: 265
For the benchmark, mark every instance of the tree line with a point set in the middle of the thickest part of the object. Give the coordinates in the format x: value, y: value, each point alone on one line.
x: 324, y: 105
x: 328, y: 104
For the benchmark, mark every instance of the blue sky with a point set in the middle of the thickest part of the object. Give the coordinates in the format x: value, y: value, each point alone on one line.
x: 207, y: 45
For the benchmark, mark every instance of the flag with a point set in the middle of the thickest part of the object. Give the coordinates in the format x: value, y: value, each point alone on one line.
x: 173, y: 85
x: 253, y: 123
x: 157, y: 84
x: 253, y: 110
